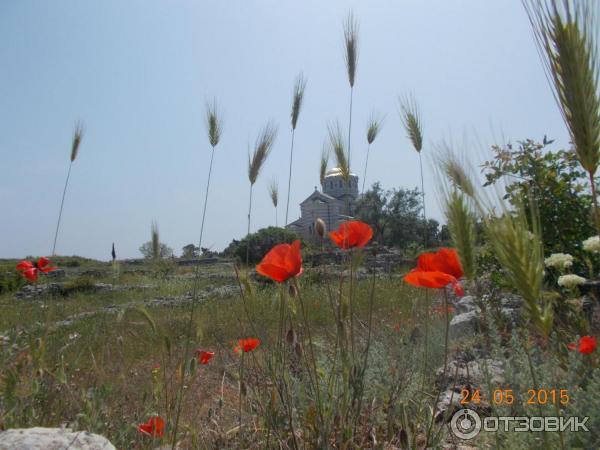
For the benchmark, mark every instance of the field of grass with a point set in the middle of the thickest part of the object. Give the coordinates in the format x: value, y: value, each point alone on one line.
x: 96, y: 372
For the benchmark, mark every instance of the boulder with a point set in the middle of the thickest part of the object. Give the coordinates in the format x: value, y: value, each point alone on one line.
x: 465, y: 304
x: 464, y: 325
x: 39, y: 438
x: 472, y: 373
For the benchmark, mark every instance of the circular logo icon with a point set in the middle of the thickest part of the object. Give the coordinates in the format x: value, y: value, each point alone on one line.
x: 465, y: 424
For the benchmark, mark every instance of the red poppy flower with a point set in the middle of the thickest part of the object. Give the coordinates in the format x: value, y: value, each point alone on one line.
x: 247, y: 345
x: 353, y: 233
x: 444, y: 260
x: 437, y: 270
x: 587, y: 344
x: 31, y: 270
x: 571, y: 346
x: 204, y: 356
x: 155, y: 427
x: 282, y: 262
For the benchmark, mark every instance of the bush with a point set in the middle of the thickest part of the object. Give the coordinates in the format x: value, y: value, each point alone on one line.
x: 10, y: 280
x: 556, y: 184
x: 259, y: 244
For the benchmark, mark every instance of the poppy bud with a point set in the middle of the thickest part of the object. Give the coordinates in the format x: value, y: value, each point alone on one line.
x: 320, y: 227
x: 293, y: 290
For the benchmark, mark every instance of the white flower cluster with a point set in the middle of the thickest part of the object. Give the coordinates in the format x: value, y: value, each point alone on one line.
x: 570, y: 281
x: 559, y: 261
x: 592, y: 244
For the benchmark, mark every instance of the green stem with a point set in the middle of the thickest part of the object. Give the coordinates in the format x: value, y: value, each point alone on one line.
x: 445, y: 365
x: 190, y: 323
x: 248, y: 234
x: 287, y: 205
x: 62, y: 202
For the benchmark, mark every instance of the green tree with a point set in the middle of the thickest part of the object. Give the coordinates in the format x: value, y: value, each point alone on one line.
x: 146, y: 250
x: 259, y: 243
x: 190, y: 251
x: 396, y: 217
x: 557, y: 185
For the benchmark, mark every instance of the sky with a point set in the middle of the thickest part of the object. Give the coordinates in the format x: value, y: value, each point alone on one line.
x: 139, y: 74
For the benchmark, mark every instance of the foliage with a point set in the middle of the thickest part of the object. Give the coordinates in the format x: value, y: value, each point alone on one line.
x: 258, y: 243
x: 10, y: 280
x: 147, y: 250
x: 396, y: 217
x: 190, y: 251
x: 557, y: 185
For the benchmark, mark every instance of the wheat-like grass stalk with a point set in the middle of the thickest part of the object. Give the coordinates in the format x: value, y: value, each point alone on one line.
x: 373, y: 127
x: 461, y: 204
x: 516, y: 239
x: 351, y: 46
x: 566, y: 34
x: 262, y: 149
x: 351, y: 57
x: 273, y: 189
x: 323, y: 165
x: 461, y: 223
x: 297, y: 98
x: 336, y: 142
x: 77, y: 136
x: 76, y: 142
x: 214, y: 129
x: 214, y: 123
x: 454, y: 170
x: 411, y: 119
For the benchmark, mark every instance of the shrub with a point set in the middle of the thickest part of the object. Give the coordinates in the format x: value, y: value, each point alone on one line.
x: 259, y: 243
x: 558, y: 186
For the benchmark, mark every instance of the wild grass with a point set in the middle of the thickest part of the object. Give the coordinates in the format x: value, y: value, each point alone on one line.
x: 351, y: 58
x: 323, y: 162
x: 76, y: 142
x: 566, y: 34
x: 373, y: 128
x: 297, y: 99
x: 256, y: 161
x: 273, y: 189
x: 411, y: 119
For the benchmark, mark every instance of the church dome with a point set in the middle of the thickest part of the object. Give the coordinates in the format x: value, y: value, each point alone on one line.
x: 336, y: 172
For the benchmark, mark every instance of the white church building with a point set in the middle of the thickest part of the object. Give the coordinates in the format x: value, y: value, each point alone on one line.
x: 331, y: 204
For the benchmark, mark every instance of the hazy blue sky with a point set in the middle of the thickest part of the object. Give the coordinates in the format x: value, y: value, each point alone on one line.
x: 139, y: 72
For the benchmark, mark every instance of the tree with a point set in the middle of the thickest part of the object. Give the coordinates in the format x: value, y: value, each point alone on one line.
x: 555, y: 183
x: 146, y: 250
x: 259, y: 243
x: 190, y: 251
x: 370, y: 209
x: 396, y: 217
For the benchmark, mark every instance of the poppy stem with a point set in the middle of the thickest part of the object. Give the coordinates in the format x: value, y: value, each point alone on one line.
x: 311, y: 349
x: 437, y: 399
x: 241, y: 384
